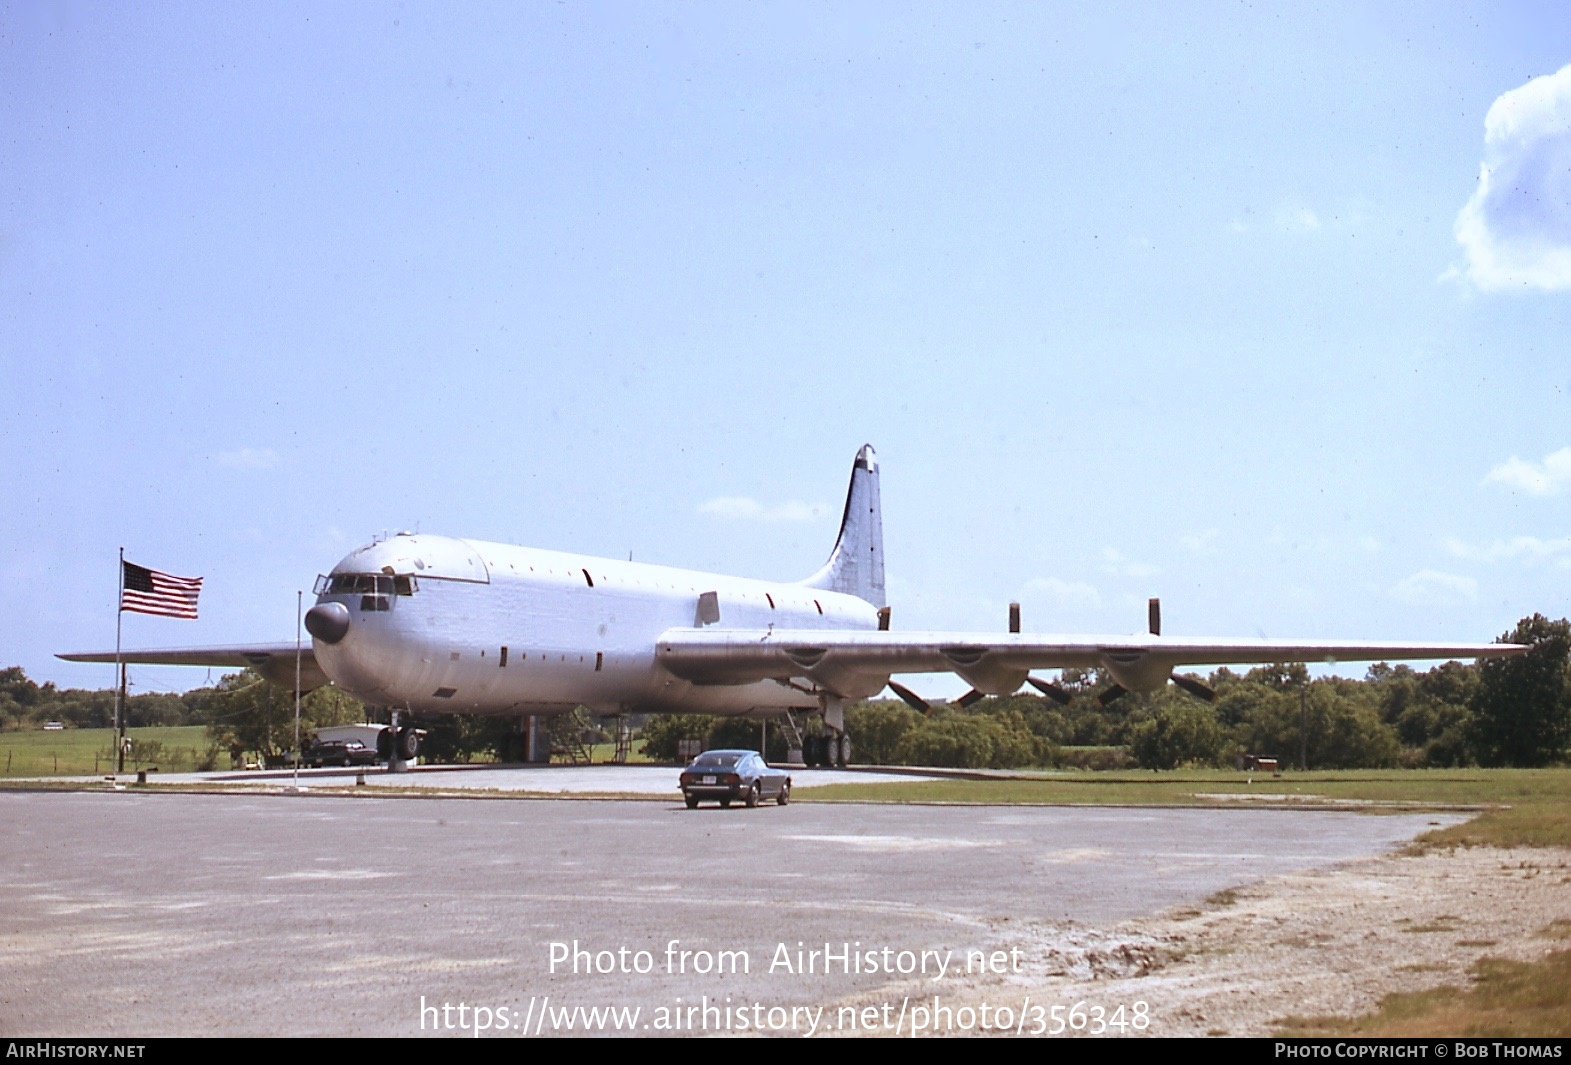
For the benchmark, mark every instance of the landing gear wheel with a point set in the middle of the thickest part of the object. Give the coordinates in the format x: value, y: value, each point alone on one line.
x: 752, y: 797
x: 785, y: 794
x: 692, y: 801
x: 725, y: 804
x: 843, y: 750
x: 408, y: 744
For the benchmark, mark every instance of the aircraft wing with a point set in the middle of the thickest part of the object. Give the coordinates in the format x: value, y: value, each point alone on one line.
x: 848, y: 662
x: 276, y: 662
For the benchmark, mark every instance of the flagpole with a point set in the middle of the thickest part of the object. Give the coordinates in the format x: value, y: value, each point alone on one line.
x: 119, y: 667
x: 299, y: 603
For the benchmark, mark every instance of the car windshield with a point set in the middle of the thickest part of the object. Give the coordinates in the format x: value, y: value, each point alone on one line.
x: 721, y: 760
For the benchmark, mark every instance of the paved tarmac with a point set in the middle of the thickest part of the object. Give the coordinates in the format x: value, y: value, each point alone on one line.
x: 132, y: 914
x: 554, y: 779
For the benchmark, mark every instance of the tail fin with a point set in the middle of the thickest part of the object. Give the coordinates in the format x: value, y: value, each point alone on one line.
x: 856, y: 565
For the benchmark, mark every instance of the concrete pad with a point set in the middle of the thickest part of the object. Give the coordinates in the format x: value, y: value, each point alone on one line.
x: 538, y: 779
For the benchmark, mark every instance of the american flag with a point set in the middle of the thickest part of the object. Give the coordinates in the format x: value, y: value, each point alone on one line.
x: 146, y: 591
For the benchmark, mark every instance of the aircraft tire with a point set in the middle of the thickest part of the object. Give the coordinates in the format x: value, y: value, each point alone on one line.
x: 408, y: 743
x: 725, y: 804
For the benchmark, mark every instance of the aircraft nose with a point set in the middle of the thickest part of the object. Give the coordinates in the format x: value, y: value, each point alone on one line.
x: 328, y: 622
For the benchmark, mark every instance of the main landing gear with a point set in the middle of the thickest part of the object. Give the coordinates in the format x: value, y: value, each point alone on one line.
x: 827, y: 751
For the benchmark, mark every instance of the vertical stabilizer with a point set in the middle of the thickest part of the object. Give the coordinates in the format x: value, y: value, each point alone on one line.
x: 856, y: 565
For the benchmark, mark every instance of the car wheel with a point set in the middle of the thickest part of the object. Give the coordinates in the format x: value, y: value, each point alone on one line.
x: 692, y: 801
x: 752, y: 796
x: 785, y: 794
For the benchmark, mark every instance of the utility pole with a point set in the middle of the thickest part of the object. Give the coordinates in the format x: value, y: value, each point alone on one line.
x: 1303, y: 734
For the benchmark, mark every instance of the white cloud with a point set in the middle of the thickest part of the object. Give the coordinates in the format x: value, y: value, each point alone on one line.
x: 1201, y: 543
x: 1298, y: 219
x: 1546, y: 478
x: 1062, y: 593
x: 248, y: 458
x: 1516, y: 229
x: 743, y: 508
x: 1113, y: 561
x: 1527, y: 548
x: 1433, y: 588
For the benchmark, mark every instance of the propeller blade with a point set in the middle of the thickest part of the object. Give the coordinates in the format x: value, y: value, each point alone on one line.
x: 1014, y: 617
x: 1113, y: 694
x: 971, y: 697
x: 1154, y: 615
x: 1195, y: 688
x: 1051, y: 690
x: 910, y: 698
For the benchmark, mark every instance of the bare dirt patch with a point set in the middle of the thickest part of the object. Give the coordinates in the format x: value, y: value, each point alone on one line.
x: 1328, y: 942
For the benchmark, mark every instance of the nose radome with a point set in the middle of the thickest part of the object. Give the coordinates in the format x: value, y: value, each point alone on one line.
x: 328, y: 622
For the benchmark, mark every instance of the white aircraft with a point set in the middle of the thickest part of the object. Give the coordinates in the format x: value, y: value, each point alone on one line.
x: 431, y: 624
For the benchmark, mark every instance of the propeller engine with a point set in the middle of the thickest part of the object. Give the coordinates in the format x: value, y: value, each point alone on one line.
x: 1188, y: 684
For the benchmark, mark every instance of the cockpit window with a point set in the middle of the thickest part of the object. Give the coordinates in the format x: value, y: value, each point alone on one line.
x: 365, y: 584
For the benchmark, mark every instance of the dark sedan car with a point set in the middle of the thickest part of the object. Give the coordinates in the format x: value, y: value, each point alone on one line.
x: 730, y: 775
x: 339, y: 752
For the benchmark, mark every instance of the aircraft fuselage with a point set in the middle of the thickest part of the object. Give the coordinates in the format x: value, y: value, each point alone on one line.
x: 441, y: 624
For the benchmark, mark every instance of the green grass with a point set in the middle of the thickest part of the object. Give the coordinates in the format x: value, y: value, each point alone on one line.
x: 84, y: 751
x: 1508, y: 998
x: 1523, y: 807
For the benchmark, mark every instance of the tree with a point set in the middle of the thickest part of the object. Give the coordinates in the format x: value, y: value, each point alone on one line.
x: 876, y: 729
x: 246, y: 710
x: 1181, y: 732
x: 971, y: 741
x: 1342, y: 727
x: 1522, y: 707
x: 662, y: 732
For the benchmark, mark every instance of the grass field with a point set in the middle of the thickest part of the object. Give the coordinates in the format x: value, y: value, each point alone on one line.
x: 81, y: 751
x: 1523, y: 807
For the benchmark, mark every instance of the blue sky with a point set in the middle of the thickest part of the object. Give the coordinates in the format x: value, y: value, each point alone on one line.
x: 1264, y: 311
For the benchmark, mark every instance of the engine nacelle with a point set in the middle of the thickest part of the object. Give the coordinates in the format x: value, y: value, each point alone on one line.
x: 1137, y: 671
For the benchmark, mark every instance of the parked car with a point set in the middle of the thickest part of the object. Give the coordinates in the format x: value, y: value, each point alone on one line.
x: 339, y: 752
x: 730, y: 775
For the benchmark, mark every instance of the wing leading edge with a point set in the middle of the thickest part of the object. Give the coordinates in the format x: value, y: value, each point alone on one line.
x: 276, y: 662
x: 858, y: 664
